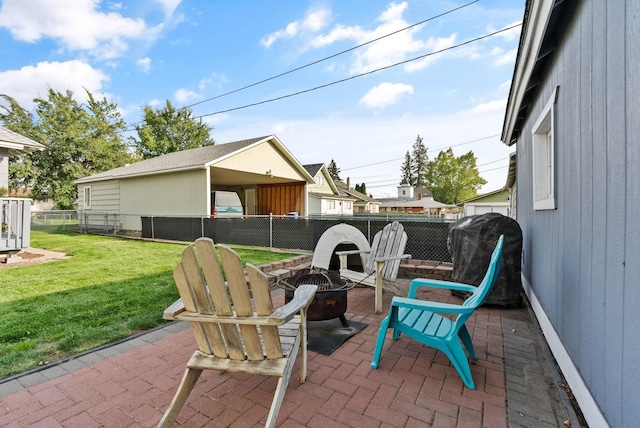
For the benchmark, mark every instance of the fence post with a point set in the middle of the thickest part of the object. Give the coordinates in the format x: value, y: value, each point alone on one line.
x: 153, y: 233
x: 202, y: 227
x: 271, y: 230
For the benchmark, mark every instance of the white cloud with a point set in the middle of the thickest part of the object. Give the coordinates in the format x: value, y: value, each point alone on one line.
x: 385, y: 94
x: 184, y: 96
x: 490, y: 106
x: 169, y: 6
x: 389, y: 50
x: 505, y: 58
x: 511, y: 34
x: 218, y: 80
x: 144, y: 64
x: 30, y: 82
x: 78, y: 26
x: 315, y: 21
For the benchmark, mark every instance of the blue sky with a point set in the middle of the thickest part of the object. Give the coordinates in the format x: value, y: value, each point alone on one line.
x: 187, y: 51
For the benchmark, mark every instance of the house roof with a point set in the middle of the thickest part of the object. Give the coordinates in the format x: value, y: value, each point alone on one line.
x: 537, y: 43
x: 511, y: 174
x: 485, y: 195
x: 313, y: 169
x: 16, y: 143
x: 199, y: 158
x: 360, y: 197
x: 426, y: 203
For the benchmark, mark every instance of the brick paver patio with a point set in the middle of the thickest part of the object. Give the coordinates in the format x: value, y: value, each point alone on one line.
x: 414, y: 386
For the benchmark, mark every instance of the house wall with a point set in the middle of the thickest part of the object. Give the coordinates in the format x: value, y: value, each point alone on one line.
x: 260, y: 159
x: 321, y: 188
x: 580, y: 260
x: 178, y: 193
x: 105, y: 196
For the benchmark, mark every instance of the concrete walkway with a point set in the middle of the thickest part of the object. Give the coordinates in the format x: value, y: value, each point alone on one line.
x: 131, y: 383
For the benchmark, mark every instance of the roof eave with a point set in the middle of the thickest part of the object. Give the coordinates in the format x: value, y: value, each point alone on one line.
x: 91, y: 179
x: 534, y: 28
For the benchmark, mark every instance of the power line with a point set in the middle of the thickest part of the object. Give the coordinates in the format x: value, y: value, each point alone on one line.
x: 333, y: 56
x: 321, y: 60
x: 428, y: 151
x: 359, y: 75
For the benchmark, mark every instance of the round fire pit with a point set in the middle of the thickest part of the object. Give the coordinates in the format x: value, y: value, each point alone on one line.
x: 330, y: 300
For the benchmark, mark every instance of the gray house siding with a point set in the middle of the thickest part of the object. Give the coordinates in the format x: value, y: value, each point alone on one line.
x: 582, y: 260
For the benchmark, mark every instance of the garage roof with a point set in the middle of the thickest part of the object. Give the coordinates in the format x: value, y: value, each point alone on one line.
x: 199, y: 158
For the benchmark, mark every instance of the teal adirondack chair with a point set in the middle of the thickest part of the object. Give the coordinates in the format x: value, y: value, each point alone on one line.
x: 420, y: 319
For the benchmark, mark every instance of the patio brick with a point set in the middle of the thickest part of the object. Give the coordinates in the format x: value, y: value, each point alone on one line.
x: 131, y: 383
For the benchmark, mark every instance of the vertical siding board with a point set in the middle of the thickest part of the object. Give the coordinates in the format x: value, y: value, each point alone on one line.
x: 585, y: 212
x: 615, y: 201
x: 599, y: 179
x: 568, y: 146
x: 631, y: 339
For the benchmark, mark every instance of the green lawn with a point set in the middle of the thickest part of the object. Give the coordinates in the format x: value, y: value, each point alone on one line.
x: 109, y: 289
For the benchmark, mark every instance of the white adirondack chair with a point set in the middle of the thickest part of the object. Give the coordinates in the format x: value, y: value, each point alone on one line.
x: 380, y: 269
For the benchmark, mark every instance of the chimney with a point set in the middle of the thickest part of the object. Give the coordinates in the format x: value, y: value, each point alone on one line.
x: 349, y: 183
x: 419, y: 196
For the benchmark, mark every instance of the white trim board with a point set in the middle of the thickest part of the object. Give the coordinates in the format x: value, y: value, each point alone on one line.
x: 588, y: 405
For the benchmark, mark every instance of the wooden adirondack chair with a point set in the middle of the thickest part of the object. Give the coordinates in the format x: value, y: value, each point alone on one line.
x: 230, y: 334
x: 421, y: 321
x: 381, y: 268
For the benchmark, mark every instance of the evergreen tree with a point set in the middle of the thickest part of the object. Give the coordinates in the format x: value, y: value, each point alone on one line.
x: 363, y: 188
x: 166, y: 130
x: 405, y: 169
x: 419, y: 163
x: 334, y: 171
x: 453, y: 179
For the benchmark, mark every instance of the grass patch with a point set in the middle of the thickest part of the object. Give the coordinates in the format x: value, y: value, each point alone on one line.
x: 109, y: 289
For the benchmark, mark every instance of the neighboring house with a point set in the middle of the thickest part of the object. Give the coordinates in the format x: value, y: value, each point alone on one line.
x: 324, y: 196
x: 574, y: 113
x: 266, y: 176
x: 15, y: 221
x: 362, y: 204
x: 43, y: 204
x: 511, y: 186
x: 13, y: 144
x: 413, y: 200
x: 492, y: 202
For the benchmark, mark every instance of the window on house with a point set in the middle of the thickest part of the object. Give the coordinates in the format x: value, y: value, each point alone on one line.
x: 332, y: 205
x: 87, y: 197
x: 320, y: 180
x: 544, y: 196
x: 347, y: 205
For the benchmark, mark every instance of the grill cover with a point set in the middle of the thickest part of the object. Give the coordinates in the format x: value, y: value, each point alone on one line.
x: 471, y: 241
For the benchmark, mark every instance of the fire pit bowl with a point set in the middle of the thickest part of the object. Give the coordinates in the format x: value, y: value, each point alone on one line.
x: 330, y: 300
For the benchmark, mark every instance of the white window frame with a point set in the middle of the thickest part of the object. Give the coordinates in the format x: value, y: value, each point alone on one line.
x: 543, y: 150
x: 86, y: 195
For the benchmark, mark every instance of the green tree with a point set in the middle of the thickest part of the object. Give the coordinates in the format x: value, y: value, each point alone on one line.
x: 453, y: 179
x: 362, y: 188
x: 405, y: 169
x: 167, y: 130
x: 79, y: 140
x: 334, y: 171
x: 419, y: 163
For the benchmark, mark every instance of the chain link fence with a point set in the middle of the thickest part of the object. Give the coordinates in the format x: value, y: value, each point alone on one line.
x: 50, y: 221
x: 427, y: 235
